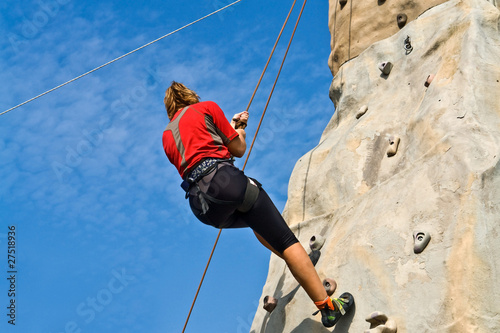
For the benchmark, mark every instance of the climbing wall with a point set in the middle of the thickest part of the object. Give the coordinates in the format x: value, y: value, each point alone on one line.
x: 355, y: 25
x: 404, y: 186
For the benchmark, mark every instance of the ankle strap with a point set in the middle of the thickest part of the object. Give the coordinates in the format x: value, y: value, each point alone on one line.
x: 326, y: 303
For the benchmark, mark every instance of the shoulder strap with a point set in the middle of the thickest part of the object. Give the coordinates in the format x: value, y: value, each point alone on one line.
x: 175, y: 122
x: 173, y: 127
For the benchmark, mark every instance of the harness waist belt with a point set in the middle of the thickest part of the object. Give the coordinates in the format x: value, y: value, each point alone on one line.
x: 203, y: 169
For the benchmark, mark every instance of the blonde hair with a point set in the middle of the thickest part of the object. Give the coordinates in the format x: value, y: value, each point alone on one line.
x: 177, y: 97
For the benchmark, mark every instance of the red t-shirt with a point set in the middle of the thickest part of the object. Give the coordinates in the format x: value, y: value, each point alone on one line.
x: 199, y: 131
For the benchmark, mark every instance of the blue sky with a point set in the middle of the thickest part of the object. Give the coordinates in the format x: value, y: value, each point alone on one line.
x: 105, y: 241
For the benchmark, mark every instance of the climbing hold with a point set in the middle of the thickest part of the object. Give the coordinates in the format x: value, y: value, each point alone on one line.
x: 401, y: 18
x: 420, y: 239
x: 342, y: 2
x: 393, y: 146
x: 316, y: 242
x: 377, y: 318
x: 407, y: 45
x: 330, y: 286
x: 429, y: 80
x: 380, y: 323
x: 270, y: 303
x: 361, y: 111
x: 385, y: 67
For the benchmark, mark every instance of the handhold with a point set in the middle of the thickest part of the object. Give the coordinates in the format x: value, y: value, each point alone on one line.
x: 316, y: 242
x: 408, y: 47
x: 361, y: 111
x: 385, y: 67
x: 401, y: 18
x: 343, y: 2
x: 270, y: 303
x: 330, y: 286
x: 420, y: 239
x: 429, y: 80
x: 393, y: 146
x: 380, y: 323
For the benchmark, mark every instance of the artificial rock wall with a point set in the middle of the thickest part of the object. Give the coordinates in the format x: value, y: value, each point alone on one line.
x: 355, y: 25
x: 404, y: 154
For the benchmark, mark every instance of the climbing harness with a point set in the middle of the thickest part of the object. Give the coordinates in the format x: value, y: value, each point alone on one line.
x: 208, y: 167
x: 256, y: 132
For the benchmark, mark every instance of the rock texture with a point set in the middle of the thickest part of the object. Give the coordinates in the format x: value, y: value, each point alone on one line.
x: 368, y: 198
x: 356, y: 25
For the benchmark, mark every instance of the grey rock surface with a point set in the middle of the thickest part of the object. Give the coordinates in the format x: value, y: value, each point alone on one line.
x: 444, y: 180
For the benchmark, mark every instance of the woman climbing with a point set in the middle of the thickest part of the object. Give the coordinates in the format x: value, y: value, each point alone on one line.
x: 200, y: 142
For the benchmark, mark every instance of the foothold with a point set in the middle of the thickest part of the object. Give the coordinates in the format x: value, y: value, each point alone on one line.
x: 342, y: 2
x: 420, y: 239
x: 407, y: 45
x: 330, y: 286
x: 377, y: 318
x: 385, y: 67
x: 429, y: 80
x: 316, y: 242
x: 402, y: 19
x: 361, y: 111
x: 389, y: 327
x: 380, y: 323
x: 393, y: 146
x: 270, y: 303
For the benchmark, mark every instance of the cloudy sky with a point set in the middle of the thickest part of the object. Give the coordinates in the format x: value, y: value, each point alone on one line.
x: 104, y: 240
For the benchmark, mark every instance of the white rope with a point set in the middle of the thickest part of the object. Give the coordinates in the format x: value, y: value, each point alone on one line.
x: 120, y: 57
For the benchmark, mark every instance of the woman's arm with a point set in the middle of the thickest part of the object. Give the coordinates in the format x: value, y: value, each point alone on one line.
x: 238, y: 145
x: 239, y: 120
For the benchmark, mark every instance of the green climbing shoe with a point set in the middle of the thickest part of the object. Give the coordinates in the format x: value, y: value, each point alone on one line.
x: 334, y: 308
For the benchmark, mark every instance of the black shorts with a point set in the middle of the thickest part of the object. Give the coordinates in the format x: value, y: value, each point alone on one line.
x: 228, y: 183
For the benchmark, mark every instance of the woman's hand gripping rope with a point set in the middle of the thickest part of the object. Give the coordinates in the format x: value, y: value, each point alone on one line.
x: 240, y: 120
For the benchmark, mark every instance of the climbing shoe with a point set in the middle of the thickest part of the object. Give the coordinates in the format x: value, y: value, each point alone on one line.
x: 333, y: 308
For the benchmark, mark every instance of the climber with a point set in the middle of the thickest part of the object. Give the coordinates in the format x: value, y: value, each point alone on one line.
x: 200, y: 142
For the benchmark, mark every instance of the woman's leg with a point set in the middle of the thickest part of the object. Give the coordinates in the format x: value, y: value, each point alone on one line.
x: 304, y: 272
x: 267, y: 245
x: 301, y: 266
x: 273, y: 232
x: 266, y: 221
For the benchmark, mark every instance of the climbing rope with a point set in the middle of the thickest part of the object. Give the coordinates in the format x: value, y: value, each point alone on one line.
x: 256, y: 132
x: 120, y: 57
